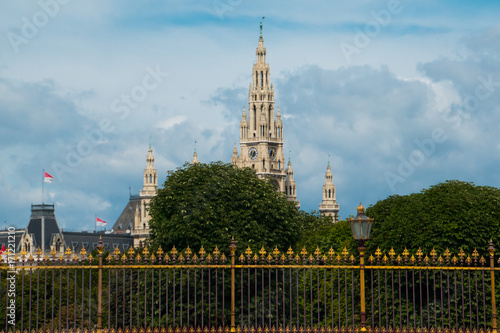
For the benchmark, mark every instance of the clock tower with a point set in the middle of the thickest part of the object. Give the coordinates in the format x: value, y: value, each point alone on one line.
x: 261, y: 129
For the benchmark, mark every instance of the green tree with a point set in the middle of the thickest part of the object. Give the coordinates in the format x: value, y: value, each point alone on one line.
x: 207, y: 204
x: 452, y: 215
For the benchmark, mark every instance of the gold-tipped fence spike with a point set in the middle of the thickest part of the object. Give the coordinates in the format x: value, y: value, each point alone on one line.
x: 195, y: 257
x: 482, y: 261
x: 392, y: 253
x: 53, y: 252
x: 276, y: 252
x: 385, y: 259
x: 311, y: 258
x: 130, y: 251
x: 371, y: 259
x: 468, y: 260
x: 138, y: 257
x: 248, y: 252
x: 30, y: 258
x: 433, y: 253
x: 419, y: 253
x: 202, y: 252
x: 447, y: 254
x: 223, y: 257
x: 145, y: 252
x: 188, y: 252
x: 159, y: 252
x: 290, y: 252
x: 90, y: 258
x: 255, y: 257
x: 345, y: 253
x: 283, y: 257
x: 38, y: 252
x: 153, y: 258
x: 461, y: 254
x: 23, y: 252
x: 173, y: 252
x: 109, y: 257
x: 351, y: 258
x: 117, y: 252
x: 331, y: 252
x: 440, y: 260
x: 262, y: 252
x: 303, y: 252
x: 317, y: 252
x: 68, y: 252
x: 209, y: 257
x: 269, y: 257
x: 216, y: 252
x: 475, y: 254
x: 454, y: 260
x: 406, y: 253
x: 83, y: 252
x: 297, y: 258
x: 378, y: 253
x: 241, y: 257
x: 427, y: 259
x: 124, y: 257
x: 413, y: 259
x: 324, y: 258
x: 181, y: 258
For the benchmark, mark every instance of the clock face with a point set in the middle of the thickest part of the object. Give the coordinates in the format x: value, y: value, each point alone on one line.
x: 252, y: 153
x: 272, y: 153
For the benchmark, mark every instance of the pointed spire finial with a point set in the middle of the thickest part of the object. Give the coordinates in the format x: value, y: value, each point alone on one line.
x: 263, y: 17
x: 195, y: 146
x: 329, y: 155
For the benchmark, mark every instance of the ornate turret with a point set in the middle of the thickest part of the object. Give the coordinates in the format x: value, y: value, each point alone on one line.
x: 329, y: 205
x: 150, y: 181
x: 261, y: 130
x: 290, y: 185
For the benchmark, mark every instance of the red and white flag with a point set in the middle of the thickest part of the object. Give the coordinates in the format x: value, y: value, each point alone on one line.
x: 47, y: 178
x: 2, y: 251
x: 99, y: 222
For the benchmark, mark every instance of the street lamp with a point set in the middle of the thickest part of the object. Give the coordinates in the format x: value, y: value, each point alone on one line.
x: 361, y: 227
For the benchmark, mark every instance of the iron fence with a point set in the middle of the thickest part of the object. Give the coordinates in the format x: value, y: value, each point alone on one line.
x: 183, y: 291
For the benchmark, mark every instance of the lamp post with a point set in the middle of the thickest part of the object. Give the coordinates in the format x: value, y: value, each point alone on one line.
x: 361, y: 227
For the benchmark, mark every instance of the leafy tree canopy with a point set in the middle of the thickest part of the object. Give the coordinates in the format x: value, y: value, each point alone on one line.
x: 207, y: 204
x: 451, y: 215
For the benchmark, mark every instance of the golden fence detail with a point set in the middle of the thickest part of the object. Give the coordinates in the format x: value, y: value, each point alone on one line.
x: 262, y: 291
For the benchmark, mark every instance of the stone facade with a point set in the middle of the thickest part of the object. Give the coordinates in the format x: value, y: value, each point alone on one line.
x: 135, y: 217
x: 329, y: 205
x: 261, y: 130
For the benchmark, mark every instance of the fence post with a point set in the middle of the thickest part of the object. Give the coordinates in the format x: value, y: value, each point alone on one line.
x: 100, y: 248
x: 361, y: 250
x: 491, y: 250
x: 232, y: 247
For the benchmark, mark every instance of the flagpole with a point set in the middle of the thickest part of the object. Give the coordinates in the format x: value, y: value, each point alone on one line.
x: 43, y: 181
x: 95, y: 221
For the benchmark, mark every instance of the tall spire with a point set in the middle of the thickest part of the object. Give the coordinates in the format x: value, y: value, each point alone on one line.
x: 150, y: 181
x: 329, y: 205
x: 195, y: 155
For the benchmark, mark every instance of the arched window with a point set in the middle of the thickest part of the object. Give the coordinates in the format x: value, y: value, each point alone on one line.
x: 261, y: 78
x: 329, y: 193
x: 150, y: 179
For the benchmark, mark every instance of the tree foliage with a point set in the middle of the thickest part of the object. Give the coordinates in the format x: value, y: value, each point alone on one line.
x: 207, y: 204
x: 452, y: 215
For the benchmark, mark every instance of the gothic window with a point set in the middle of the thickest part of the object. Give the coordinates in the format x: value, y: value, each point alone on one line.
x: 329, y: 193
x: 326, y: 196
x: 279, y: 165
x: 150, y: 179
x: 261, y: 78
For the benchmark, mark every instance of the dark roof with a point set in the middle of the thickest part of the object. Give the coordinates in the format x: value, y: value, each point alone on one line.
x: 89, y: 240
x: 42, y: 216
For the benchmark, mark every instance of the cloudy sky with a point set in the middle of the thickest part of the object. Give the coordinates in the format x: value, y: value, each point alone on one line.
x: 402, y: 94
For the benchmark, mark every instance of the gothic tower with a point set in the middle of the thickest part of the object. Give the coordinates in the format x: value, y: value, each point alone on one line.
x: 135, y: 217
x: 290, y: 185
x: 261, y: 129
x: 329, y: 205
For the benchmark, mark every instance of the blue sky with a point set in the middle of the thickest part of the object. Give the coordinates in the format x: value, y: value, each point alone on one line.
x: 402, y: 94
